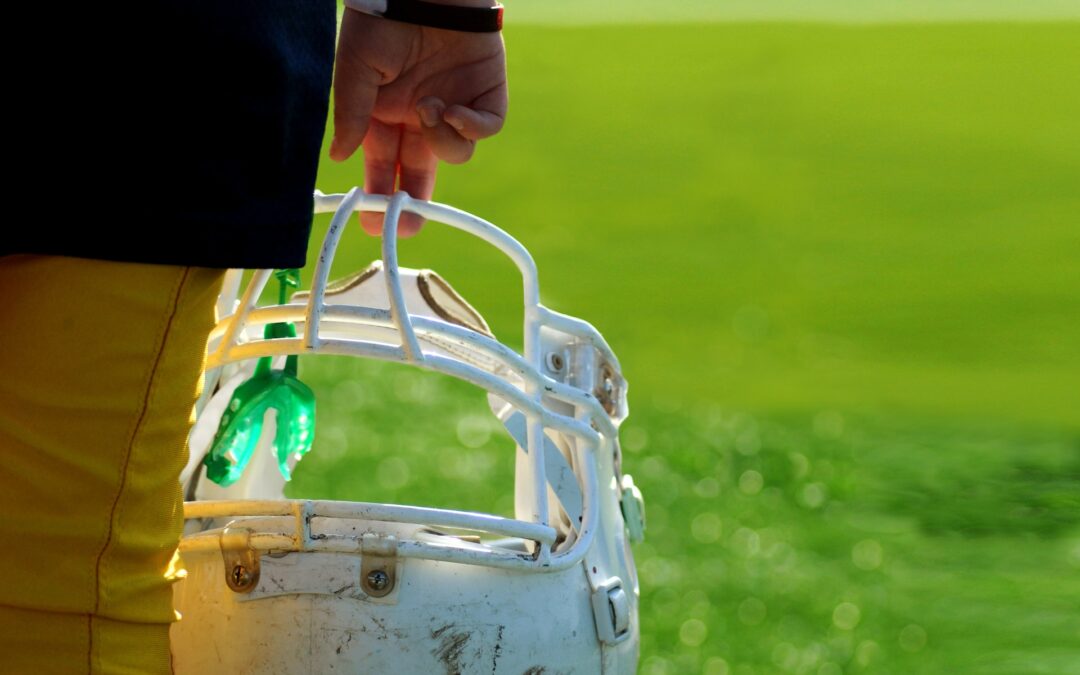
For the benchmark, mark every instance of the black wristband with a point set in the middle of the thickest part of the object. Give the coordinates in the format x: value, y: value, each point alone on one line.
x: 434, y: 15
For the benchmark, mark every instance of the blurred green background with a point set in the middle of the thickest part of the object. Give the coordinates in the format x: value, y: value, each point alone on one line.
x: 839, y: 262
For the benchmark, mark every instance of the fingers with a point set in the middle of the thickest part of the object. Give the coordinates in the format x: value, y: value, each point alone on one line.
x: 356, y: 85
x: 399, y: 157
x: 396, y: 158
x: 452, y: 131
x: 444, y: 140
x: 484, y: 117
x: 381, y: 149
x: 417, y: 177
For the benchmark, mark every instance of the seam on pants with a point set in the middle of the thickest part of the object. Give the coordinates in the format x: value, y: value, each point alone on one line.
x: 163, y: 339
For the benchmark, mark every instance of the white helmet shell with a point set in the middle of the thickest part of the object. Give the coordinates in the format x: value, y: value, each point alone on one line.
x: 302, y: 586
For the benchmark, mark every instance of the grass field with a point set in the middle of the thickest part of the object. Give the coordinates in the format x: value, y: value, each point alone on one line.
x: 555, y: 12
x: 839, y: 264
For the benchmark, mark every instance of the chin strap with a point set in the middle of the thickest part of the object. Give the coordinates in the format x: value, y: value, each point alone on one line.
x: 433, y: 15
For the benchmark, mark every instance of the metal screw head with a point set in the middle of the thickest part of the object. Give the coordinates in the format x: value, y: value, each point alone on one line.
x: 555, y: 362
x: 241, y: 577
x: 606, y: 390
x: 378, y: 580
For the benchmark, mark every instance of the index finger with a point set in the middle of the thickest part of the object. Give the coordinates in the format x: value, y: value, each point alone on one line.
x: 356, y: 85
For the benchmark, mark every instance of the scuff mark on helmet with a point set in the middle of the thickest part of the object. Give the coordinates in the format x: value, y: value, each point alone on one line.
x: 451, y: 647
x: 348, y: 641
x: 497, y: 652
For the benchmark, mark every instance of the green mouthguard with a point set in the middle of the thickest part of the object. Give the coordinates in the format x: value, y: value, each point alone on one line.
x: 241, y: 424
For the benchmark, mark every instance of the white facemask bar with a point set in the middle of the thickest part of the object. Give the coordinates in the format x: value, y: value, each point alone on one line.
x: 592, y: 427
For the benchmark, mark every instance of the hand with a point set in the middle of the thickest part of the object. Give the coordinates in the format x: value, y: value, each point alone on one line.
x: 413, y: 95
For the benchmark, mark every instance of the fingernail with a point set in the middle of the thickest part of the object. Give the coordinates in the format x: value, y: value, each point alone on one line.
x: 429, y: 115
x: 456, y: 122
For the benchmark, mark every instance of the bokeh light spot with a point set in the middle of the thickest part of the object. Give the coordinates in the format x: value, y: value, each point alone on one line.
x: 746, y: 542
x: 751, y: 482
x: 707, y: 488
x: 846, y: 616
x: 841, y: 645
x: 866, y: 652
x: 716, y: 665
x: 785, y: 656
x: 657, y: 665
x: 813, y: 495
x: 913, y: 638
x: 473, y: 431
x: 867, y: 554
x: 660, y: 571
x: 706, y: 527
x: 693, y: 632
x: 748, y: 443
x: 697, y: 604
x: 812, y: 656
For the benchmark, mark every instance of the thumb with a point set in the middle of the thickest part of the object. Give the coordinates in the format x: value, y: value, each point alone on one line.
x: 442, y: 139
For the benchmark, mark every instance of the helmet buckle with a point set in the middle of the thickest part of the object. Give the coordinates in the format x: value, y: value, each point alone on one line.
x: 611, y: 608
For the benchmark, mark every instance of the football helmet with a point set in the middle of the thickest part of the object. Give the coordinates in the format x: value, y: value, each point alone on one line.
x: 308, y: 586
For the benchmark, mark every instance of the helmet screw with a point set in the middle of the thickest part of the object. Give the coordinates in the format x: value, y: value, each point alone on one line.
x: 606, y: 389
x: 378, y: 580
x: 555, y: 362
x: 241, y: 577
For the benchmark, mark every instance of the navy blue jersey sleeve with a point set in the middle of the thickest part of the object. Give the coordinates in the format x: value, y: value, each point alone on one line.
x: 178, y: 131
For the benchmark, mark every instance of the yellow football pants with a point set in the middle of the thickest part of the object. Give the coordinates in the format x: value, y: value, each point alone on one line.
x: 100, y: 365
